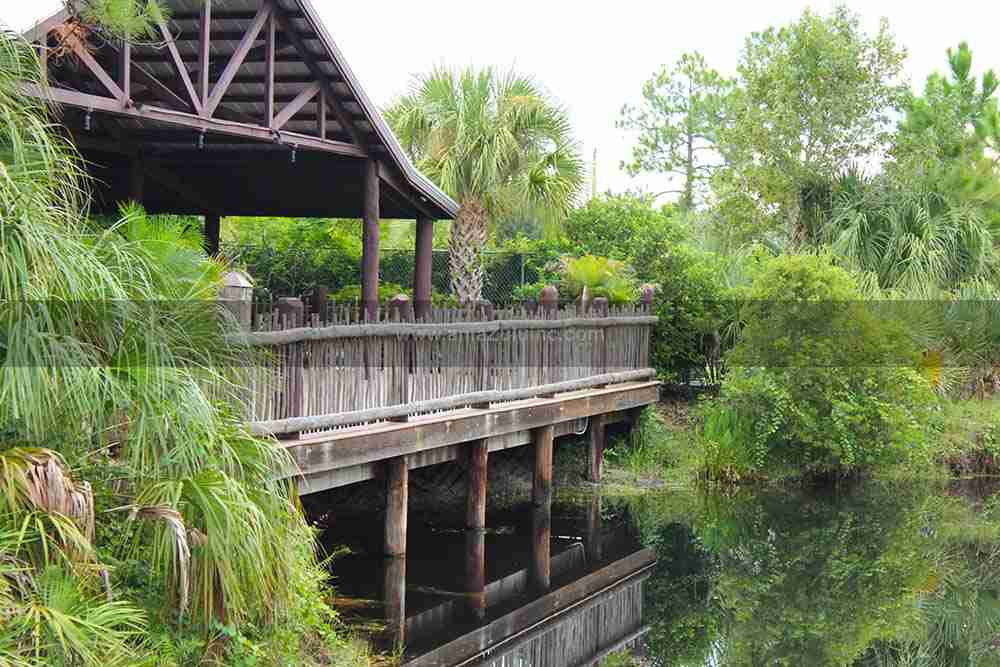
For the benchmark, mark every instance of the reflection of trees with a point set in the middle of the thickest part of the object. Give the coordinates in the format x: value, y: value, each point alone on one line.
x: 781, y: 577
x: 878, y: 576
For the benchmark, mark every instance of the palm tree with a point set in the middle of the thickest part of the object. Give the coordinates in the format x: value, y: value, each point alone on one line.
x: 495, y: 142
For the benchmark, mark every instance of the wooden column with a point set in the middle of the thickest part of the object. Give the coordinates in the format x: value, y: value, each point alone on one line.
x: 369, y: 236
x: 423, y: 264
x: 212, y: 224
x: 204, y: 52
x: 475, y: 515
x: 595, y: 447
x: 541, y: 498
x: 397, y: 477
x: 394, y: 598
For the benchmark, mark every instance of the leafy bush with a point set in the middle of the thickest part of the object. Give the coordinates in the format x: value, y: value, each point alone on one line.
x: 820, y: 383
x: 601, y: 277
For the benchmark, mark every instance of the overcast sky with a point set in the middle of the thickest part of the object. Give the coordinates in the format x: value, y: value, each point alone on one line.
x: 595, y: 58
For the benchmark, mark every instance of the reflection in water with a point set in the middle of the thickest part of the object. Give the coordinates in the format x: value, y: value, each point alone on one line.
x: 873, y: 575
x: 901, y: 574
x: 534, y: 589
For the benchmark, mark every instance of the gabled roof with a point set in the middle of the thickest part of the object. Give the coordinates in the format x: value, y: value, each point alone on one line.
x: 212, y: 137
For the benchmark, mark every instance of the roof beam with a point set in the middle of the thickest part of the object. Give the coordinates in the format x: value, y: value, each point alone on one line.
x: 226, y: 35
x: 237, y: 59
x: 80, y: 51
x: 338, y: 111
x: 180, y: 69
x: 254, y: 55
x: 187, y: 120
x: 388, y: 175
x: 227, y: 16
x: 295, y: 105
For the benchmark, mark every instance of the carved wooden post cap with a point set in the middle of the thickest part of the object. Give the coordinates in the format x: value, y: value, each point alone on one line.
x: 401, y: 308
x: 549, y: 298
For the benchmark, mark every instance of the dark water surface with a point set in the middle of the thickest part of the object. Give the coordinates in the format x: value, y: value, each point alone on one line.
x: 875, y: 573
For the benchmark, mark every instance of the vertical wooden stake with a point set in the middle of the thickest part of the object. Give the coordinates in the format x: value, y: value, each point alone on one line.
x: 125, y: 73
x: 595, y: 447
x: 397, y: 477
x: 541, y: 497
x: 369, y: 240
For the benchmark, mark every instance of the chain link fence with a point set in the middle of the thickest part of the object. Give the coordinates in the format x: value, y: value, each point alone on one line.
x: 279, y: 272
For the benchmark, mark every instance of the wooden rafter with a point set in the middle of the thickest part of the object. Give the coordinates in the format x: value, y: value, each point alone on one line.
x: 237, y: 59
x: 306, y: 55
x: 125, y: 72
x: 179, y: 68
x: 80, y: 51
x: 295, y: 105
x: 204, y: 54
x: 187, y: 120
x: 269, y: 46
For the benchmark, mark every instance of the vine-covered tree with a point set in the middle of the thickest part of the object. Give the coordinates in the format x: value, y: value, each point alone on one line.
x: 677, y: 124
x: 494, y: 141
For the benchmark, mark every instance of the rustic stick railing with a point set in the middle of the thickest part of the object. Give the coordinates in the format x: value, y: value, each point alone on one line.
x: 342, y: 372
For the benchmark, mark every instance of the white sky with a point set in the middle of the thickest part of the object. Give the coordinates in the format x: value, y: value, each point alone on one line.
x: 595, y: 59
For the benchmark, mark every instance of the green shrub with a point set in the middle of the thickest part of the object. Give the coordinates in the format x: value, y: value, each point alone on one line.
x: 602, y: 277
x: 820, y: 382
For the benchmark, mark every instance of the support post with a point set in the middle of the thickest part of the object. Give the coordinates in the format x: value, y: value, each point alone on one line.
x: 475, y: 528
x: 291, y: 311
x: 369, y: 236
x: 125, y: 73
x: 212, y: 224
x: 423, y: 264
x: 541, y: 497
x: 137, y: 180
x: 595, y: 447
x: 397, y: 477
x: 394, y: 598
x: 475, y: 514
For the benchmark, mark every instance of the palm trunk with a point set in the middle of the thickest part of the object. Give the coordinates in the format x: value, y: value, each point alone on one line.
x: 468, y: 237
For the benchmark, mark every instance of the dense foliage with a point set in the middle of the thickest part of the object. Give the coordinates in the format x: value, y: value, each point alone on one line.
x: 135, y: 504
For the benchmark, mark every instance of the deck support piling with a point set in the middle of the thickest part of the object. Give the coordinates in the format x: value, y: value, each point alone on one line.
x: 369, y: 241
x: 397, y: 477
x: 423, y: 260
x: 475, y: 527
x: 595, y: 448
x: 394, y: 597
x: 541, y: 498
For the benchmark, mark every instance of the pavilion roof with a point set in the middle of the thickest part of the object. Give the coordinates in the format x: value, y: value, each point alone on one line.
x: 279, y: 126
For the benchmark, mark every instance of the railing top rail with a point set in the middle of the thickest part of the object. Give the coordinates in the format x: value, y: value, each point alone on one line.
x: 432, y: 330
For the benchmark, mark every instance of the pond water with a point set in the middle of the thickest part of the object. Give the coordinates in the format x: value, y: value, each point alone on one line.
x: 872, y: 573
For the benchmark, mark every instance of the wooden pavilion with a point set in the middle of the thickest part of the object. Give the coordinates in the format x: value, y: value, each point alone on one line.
x: 236, y: 107
x: 247, y: 107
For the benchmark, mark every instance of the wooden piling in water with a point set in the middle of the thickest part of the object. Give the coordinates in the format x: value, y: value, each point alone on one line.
x: 397, y: 477
x: 394, y: 597
x: 595, y: 448
x: 475, y: 515
x: 541, y: 497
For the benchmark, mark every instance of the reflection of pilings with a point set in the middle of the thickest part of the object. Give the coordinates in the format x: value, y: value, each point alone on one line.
x: 595, y: 447
x: 394, y: 595
x: 475, y: 524
x: 593, y: 537
x: 541, y: 497
x: 475, y: 571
